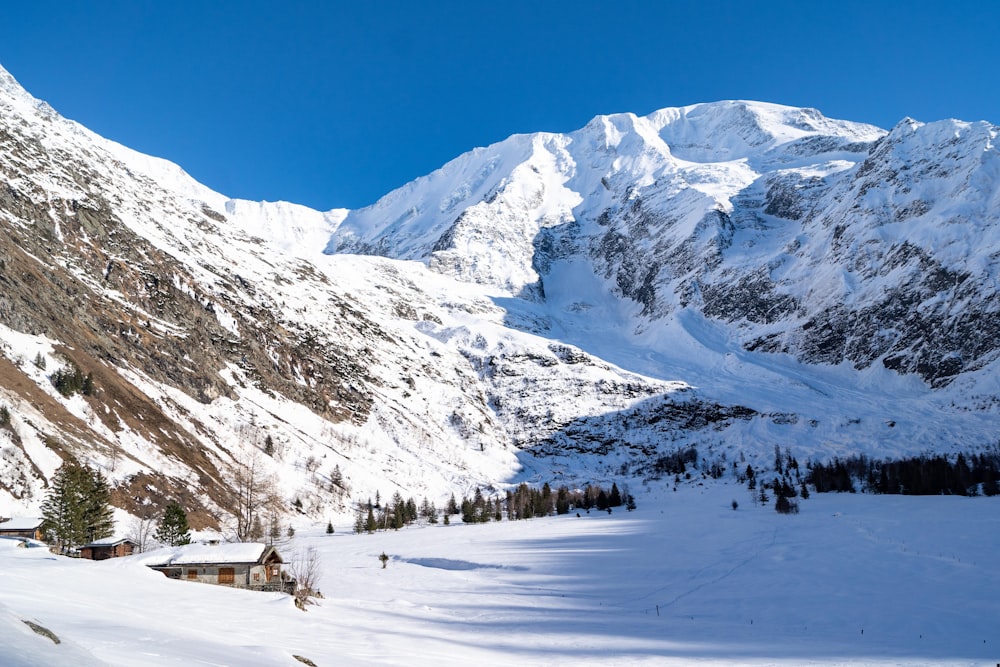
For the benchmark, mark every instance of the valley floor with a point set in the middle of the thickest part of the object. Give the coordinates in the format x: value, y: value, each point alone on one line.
x: 685, y: 579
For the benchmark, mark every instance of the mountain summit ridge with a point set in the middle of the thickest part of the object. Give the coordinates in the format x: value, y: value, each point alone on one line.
x: 554, y: 307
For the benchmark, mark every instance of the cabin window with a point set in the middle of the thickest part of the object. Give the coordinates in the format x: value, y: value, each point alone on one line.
x: 227, y: 575
x: 256, y: 576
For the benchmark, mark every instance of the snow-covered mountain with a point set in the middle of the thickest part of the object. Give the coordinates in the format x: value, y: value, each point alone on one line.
x: 827, y: 240
x: 732, y: 275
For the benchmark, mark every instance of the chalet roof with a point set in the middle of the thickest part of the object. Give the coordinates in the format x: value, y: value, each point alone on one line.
x: 210, y: 554
x: 109, y: 542
x: 22, y: 523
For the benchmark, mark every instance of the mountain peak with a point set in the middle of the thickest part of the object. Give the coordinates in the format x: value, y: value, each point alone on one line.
x: 737, y: 129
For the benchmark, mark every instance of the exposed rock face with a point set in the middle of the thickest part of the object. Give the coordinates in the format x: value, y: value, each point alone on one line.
x: 211, y: 337
x: 728, y: 276
x: 120, y: 307
x: 826, y: 240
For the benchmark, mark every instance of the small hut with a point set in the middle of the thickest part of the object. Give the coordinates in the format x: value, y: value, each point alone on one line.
x: 26, y: 527
x: 112, y: 547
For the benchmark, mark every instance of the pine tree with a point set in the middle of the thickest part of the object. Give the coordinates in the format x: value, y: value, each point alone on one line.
x: 602, y: 500
x: 562, y: 500
x: 173, y: 529
x: 329, y: 528
x: 77, y: 508
x: 98, y: 515
x: 256, y: 529
x: 337, y: 479
x: 359, y: 520
x: 615, y: 500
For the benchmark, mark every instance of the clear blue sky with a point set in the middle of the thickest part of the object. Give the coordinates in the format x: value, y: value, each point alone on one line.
x: 334, y: 103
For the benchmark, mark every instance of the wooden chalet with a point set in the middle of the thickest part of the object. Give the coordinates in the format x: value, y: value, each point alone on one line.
x: 241, y: 565
x: 111, y: 547
x: 26, y: 527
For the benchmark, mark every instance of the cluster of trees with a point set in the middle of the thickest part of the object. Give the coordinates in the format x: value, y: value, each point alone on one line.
x: 524, y: 502
x: 527, y: 502
x: 479, y: 509
x: 965, y: 475
x: 395, y: 514
x: 77, y: 510
x: 71, y: 380
x: 256, y: 503
x: 786, y: 485
x: 77, y: 507
x: 674, y: 463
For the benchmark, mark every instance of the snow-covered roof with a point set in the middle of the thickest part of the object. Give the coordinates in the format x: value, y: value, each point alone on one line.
x: 108, y: 542
x: 205, y: 554
x: 22, y: 523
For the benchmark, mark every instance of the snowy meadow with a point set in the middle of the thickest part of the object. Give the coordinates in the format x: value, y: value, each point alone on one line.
x: 852, y: 579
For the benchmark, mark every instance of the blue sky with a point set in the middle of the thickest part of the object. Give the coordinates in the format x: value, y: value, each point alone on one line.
x: 336, y: 103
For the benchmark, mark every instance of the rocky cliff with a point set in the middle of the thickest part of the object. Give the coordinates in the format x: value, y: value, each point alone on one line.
x: 728, y: 276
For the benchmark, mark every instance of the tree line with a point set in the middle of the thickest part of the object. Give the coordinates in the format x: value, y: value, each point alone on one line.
x: 963, y: 475
x: 524, y: 502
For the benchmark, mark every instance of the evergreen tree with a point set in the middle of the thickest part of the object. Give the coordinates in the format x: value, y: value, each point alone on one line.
x: 256, y: 529
x: 629, y: 501
x: 602, y: 500
x: 359, y: 521
x: 562, y: 500
x: 398, y: 512
x: 337, y: 478
x: 329, y: 528
x: 77, y: 508
x: 615, y: 499
x: 98, y: 515
x: 468, y: 511
x: 173, y: 529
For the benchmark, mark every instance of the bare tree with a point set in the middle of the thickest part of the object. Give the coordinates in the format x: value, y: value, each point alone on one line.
x: 256, y: 494
x: 141, y: 530
x: 306, y: 570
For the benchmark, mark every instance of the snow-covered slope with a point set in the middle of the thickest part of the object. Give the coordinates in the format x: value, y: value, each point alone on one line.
x: 852, y: 580
x: 828, y: 240
x: 733, y: 275
x: 217, y: 332
x: 770, y: 256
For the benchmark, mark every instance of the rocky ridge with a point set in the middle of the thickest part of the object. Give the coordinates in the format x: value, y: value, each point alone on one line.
x: 730, y: 276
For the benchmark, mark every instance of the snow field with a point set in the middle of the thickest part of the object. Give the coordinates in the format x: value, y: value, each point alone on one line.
x: 852, y: 579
